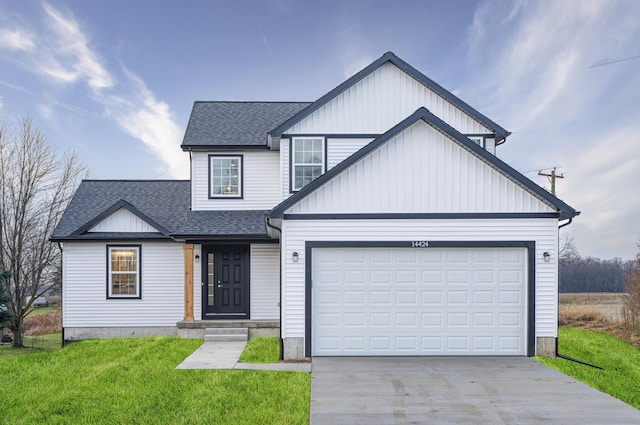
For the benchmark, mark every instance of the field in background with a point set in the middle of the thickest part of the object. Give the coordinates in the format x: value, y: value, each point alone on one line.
x: 596, y: 311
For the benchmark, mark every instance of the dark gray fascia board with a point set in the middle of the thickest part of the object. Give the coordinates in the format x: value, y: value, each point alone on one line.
x: 112, y: 209
x: 207, y: 148
x: 208, y: 237
x: 564, y: 210
x: 500, y: 132
x: 112, y: 236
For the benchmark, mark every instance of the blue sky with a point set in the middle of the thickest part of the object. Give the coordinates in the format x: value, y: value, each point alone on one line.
x: 115, y: 81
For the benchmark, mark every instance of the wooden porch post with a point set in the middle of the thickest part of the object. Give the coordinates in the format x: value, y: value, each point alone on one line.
x: 188, y: 282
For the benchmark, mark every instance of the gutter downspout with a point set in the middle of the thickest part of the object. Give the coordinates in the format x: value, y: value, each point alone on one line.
x: 280, y: 342
x: 558, y: 354
x: 63, y: 343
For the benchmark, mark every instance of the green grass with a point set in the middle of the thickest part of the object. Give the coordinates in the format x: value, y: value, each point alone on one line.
x: 33, y: 345
x: 261, y: 350
x: 42, y: 310
x: 621, y: 361
x: 134, y: 381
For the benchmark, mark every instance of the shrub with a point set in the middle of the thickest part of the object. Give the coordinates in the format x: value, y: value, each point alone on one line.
x: 43, y: 324
x: 571, y: 314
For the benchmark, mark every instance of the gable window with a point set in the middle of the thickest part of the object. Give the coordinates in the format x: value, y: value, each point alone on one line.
x: 123, y: 271
x: 307, y: 158
x: 478, y: 140
x: 225, y: 176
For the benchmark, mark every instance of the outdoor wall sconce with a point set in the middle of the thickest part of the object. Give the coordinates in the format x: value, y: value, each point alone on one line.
x: 197, y: 258
x: 294, y: 256
x: 547, y: 257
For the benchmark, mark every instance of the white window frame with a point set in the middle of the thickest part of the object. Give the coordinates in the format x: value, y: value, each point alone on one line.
x: 110, y: 273
x: 237, y: 195
x: 478, y: 140
x: 322, y: 164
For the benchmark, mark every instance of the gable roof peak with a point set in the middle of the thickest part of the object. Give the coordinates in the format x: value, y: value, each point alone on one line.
x: 391, y: 57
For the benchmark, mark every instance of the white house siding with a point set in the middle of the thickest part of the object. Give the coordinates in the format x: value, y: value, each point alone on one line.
x: 123, y: 220
x: 543, y: 232
x: 260, y: 182
x: 340, y: 149
x: 84, y: 290
x: 378, y: 102
x: 420, y: 170
x: 337, y: 151
x: 265, y: 282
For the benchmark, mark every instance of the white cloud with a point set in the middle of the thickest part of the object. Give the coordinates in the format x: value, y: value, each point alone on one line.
x: 535, y: 77
x: 16, y: 39
x: 61, y: 51
x: 150, y: 120
x: 71, y: 57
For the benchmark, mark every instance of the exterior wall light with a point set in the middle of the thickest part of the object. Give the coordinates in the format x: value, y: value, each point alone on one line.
x: 547, y: 257
x: 197, y: 258
x: 295, y: 256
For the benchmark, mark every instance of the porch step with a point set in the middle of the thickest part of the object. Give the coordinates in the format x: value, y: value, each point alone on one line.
x: 226, y: 334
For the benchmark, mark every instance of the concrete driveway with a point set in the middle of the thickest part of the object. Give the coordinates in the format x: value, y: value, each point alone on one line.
x: 455, y: 390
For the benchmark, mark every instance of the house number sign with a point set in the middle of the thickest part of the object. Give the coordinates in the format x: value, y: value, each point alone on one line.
x: 420, y: 244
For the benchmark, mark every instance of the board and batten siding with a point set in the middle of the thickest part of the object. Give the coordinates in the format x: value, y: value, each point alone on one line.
x: 265, y: 282
x: 123, y: 220
x: 380, y: 101
x: 338, y: 149
x: 85, y: 286
x: 260, y: 179
x: 544, y: 232
x: 420, y: 170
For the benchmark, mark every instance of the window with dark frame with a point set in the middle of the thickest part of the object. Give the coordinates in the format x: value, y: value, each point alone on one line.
x: 225, y: 176
x: 123, y: 272
x: 307, y: 160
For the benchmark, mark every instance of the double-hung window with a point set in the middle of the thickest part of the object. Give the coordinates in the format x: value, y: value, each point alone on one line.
x: 123, y: 271
x: 225, y: 176
x: 307, y: 157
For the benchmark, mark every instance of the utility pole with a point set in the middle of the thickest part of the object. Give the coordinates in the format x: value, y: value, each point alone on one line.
x: 552, y: 178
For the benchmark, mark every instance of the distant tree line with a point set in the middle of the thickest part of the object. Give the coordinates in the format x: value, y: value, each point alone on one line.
x: 594, y: 274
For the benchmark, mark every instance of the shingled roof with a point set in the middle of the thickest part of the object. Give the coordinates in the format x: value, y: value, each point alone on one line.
x: 235, y: 124
x: 162, y: 203
x: 224, y: 224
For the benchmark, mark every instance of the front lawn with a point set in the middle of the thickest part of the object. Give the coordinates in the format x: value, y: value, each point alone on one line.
x: 261, y: 350
x: 134, y: 381
x: 621, y: 363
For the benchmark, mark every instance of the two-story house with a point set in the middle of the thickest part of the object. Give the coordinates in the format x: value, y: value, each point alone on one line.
x: 377, y: 220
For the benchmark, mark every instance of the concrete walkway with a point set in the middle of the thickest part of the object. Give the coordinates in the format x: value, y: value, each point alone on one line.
x: 455, y: 390
x: 224, y: 355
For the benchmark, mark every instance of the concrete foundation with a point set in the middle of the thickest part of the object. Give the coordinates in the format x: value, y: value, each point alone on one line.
x: 546, y: 347
x: 75, y: 334
x: 293, y: 348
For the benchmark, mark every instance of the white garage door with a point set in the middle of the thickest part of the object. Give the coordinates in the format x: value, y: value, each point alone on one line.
x: 430, y: 301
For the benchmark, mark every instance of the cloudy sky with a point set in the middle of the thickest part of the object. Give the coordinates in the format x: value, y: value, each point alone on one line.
x: 115, y: 80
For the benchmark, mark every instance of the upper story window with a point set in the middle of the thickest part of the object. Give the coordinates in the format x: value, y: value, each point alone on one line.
x: 225, y: 176
x: 123, y: 271
x: 307, y: 160
x: 478, y: 140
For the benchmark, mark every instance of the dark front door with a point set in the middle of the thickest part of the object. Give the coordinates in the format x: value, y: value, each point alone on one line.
x: 225, y: 289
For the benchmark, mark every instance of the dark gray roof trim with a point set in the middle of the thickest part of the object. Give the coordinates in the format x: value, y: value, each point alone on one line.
x: 500, y: 132
x: 113, y: 236
x: 224, y: 224
x: 241, y: 125
x: 115, y: 207
x: 564, y: 210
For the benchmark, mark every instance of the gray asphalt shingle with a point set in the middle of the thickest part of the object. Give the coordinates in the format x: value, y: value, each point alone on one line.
x: 163, y: 201
x: 221, y: 223
x: 236, y: 123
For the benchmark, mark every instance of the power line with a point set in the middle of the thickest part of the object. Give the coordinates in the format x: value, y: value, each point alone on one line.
x: 615, y: 61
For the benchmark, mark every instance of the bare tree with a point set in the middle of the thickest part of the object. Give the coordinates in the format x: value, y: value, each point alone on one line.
x: 631, y: 306
x: 568, y: 251
x: 36, y: 185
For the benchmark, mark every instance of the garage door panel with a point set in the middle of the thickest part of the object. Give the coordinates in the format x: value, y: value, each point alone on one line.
x: 458, y: 301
